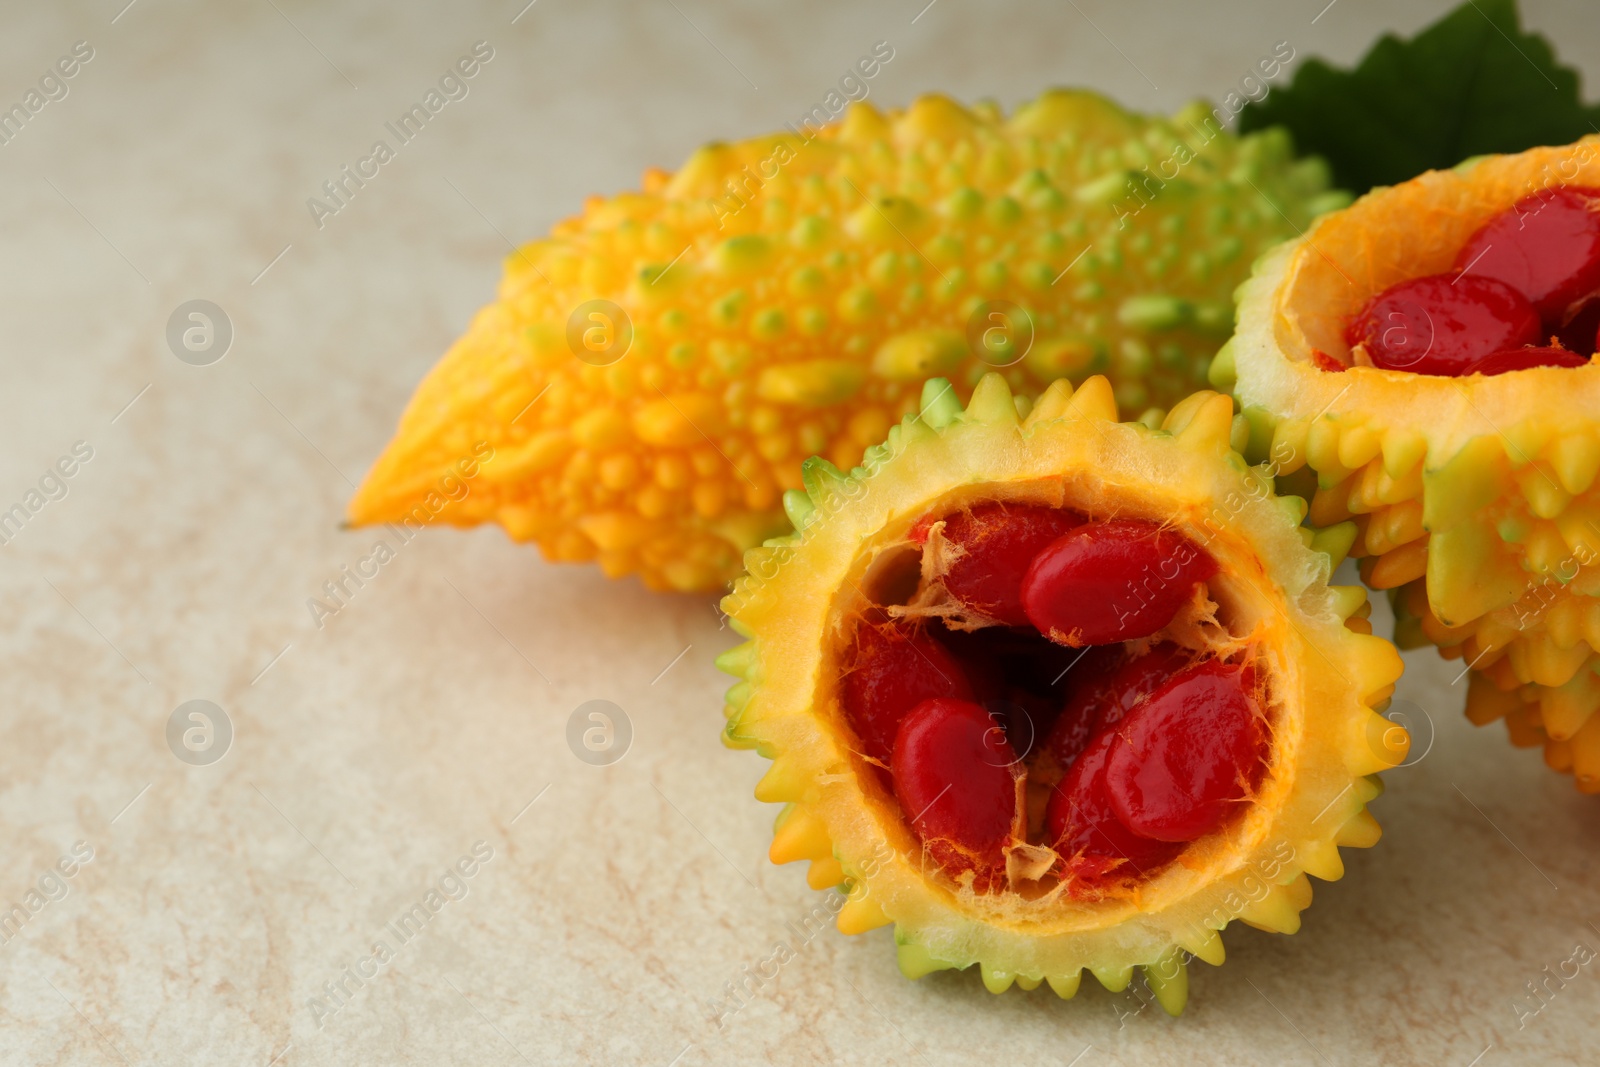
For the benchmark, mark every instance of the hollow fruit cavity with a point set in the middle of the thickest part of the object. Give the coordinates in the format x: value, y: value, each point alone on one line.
x: 1060, y: 684
x: 1525, y: 292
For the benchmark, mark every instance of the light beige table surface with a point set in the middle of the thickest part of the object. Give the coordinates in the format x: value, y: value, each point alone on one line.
x: 427, y: 715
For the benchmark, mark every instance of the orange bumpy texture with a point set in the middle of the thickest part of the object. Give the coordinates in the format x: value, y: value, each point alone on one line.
x: 786, y: 296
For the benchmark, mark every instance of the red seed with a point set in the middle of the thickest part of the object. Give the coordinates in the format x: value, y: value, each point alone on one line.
x: 997, y: 543
x: 1443, y: 323
x: 891, y: 669
x: 1188, y: 755
x: 1011, y: 672
x: 1545, y: 246
x: 957, y: 779
x: 1102, y: 690
x: 1089, y: 684
x: 1112, y: 581
x: 1082, y: 826
x: 1524, y: 358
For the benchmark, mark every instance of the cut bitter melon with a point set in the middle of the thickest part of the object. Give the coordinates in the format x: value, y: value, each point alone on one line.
x: 1475, y: 497
x: 1052, y: 692
x: 654, y: 371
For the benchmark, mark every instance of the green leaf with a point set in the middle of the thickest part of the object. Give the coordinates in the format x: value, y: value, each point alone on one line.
x: 1470, y: 84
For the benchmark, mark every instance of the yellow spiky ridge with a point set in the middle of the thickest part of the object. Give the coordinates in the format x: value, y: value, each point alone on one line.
x: 1068, y: 449
x: 1541, y: 680
x: 1478, y: 495
x: 788, y: 295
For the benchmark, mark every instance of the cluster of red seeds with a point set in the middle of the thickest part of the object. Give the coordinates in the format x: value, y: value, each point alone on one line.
x: 1143, y: 746
x: 1529, y: 275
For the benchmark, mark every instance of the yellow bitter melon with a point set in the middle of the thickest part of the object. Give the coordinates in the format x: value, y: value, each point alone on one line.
x: 1475, y: 497
x: 654, y: 371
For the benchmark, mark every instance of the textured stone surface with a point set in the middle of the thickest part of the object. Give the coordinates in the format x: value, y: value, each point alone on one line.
x: 427, y: 714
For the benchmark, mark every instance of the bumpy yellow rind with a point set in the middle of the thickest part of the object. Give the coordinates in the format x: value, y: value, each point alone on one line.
x: 799, y: 590
x: 1474, y: 498
x: 788, y: 295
